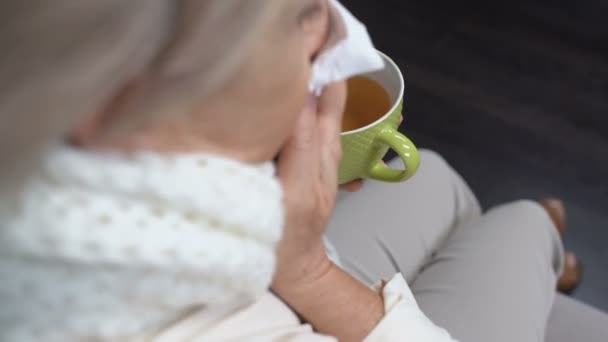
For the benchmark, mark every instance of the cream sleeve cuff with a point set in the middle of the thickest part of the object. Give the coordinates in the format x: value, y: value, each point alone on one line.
x: 403, y: 320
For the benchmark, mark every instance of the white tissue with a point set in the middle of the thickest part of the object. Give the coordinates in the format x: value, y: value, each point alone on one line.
x: 354, y: 54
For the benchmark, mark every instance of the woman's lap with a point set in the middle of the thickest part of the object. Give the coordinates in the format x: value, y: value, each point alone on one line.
x: 368, y: 227
x: 482, y: 278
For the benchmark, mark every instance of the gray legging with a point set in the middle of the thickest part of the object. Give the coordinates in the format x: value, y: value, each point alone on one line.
x: 483, y: 277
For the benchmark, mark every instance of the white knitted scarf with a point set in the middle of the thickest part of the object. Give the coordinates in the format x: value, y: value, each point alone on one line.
x: 109, y: 245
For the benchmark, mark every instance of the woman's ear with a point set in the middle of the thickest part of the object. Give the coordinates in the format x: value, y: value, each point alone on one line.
x: 316, y: 27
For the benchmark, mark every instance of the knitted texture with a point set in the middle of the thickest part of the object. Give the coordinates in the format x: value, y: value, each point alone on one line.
x: 109, y: 245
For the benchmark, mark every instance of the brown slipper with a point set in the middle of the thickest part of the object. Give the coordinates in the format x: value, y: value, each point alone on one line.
x: 573, y: 268
x: 557, y: 212
x: 572, y: 275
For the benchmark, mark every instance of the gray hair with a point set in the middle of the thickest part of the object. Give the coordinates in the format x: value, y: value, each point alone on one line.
x: 65, y: 59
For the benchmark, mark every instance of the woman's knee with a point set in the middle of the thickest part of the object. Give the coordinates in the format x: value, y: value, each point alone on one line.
x: 433, y: 168
x: 440, y: 174
x: 433, y: 160
x: 530, y: 209
x: 530, y: 219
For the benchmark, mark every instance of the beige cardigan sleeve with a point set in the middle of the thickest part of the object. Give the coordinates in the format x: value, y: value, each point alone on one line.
x: 270, y: 320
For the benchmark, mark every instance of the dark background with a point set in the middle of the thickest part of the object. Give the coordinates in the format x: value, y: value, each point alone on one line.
x: 515, y: 96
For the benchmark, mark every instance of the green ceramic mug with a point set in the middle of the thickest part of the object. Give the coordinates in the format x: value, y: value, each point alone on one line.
x: 363, y: 148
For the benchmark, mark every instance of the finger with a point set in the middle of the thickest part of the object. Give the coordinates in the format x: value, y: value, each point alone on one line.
x: 400, y: 120
x: 305, y: 130
x: 353, y: 186
x: 331, y: 105
x: 330, y: 109
x: 333, y: 98
x: 330, y: 156
x: 299, y: 154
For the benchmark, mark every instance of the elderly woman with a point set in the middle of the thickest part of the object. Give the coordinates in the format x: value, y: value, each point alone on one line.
x: 139, y: 200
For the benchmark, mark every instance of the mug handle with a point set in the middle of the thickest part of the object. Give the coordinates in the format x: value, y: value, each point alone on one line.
x: 405, y: 149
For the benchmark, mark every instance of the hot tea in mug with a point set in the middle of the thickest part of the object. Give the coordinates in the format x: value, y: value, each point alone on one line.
x: 369, y: 127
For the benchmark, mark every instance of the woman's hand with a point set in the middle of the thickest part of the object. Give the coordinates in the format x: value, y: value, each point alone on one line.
x: 323, y: 294
x: 308, y: 169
